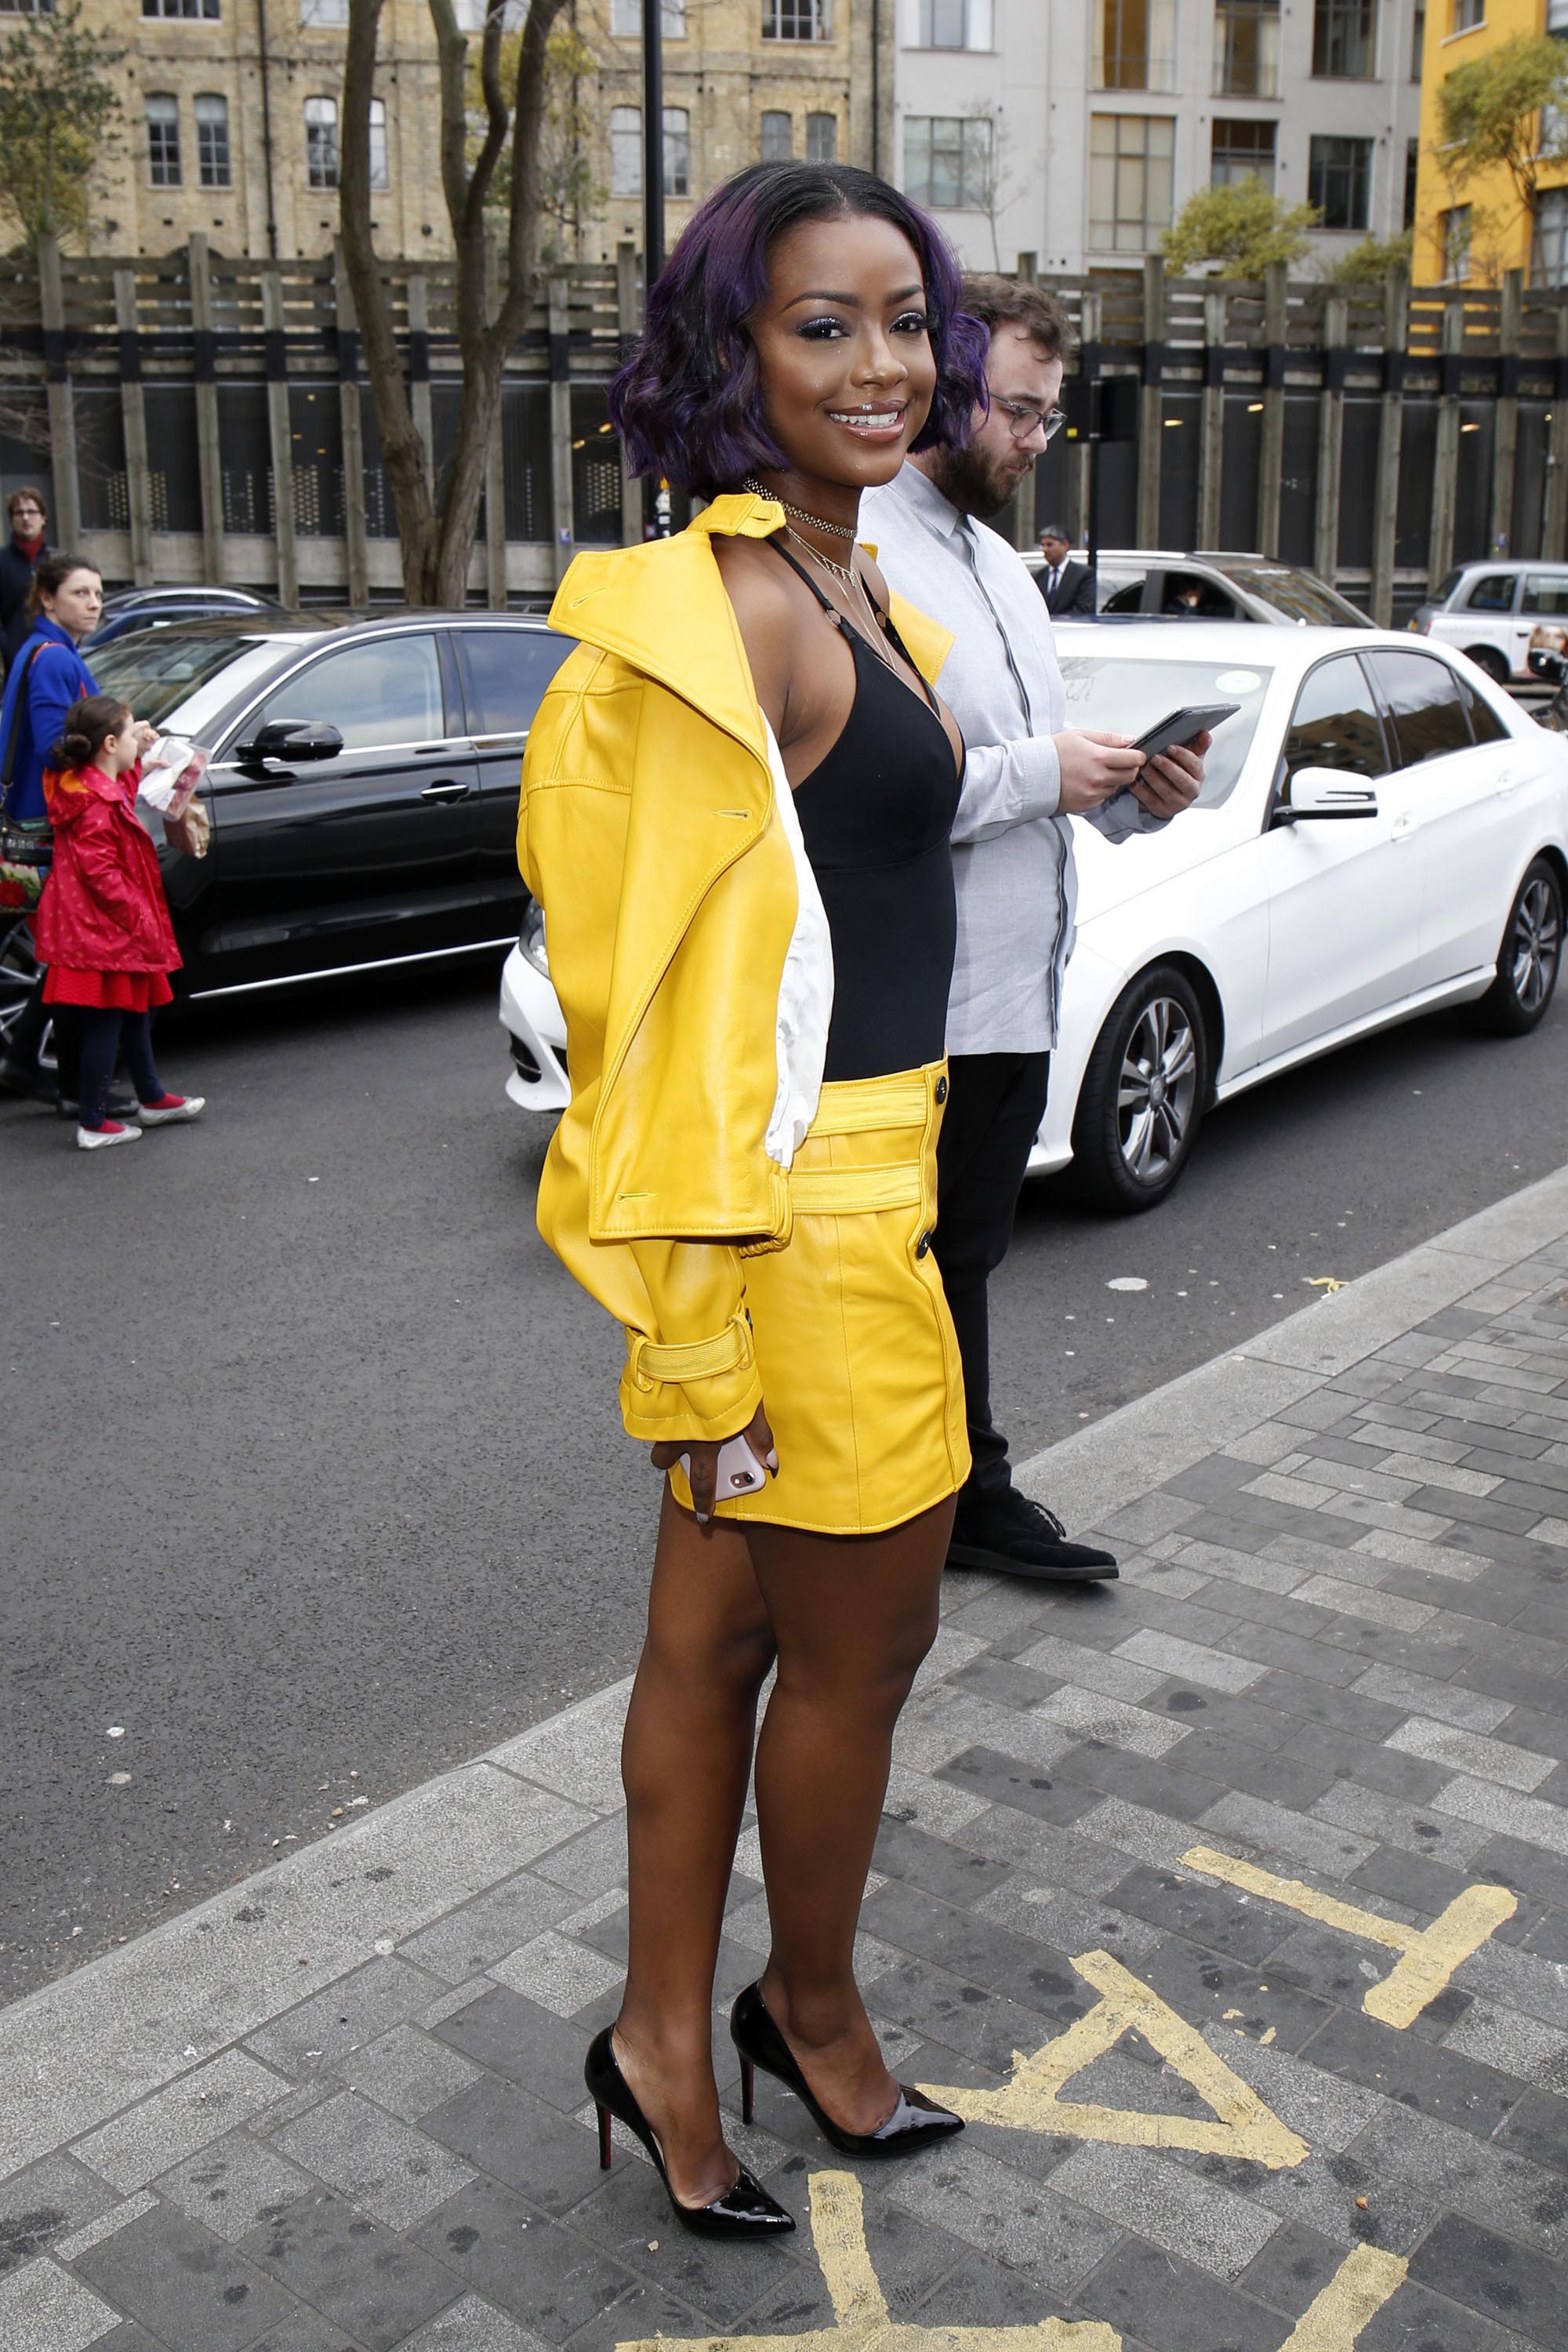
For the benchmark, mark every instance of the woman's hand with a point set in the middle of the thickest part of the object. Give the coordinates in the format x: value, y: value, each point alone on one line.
x: 703, y: 1457
x: 144, y: 733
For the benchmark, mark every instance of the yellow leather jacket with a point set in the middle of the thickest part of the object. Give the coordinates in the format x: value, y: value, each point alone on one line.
x: 649, y: 832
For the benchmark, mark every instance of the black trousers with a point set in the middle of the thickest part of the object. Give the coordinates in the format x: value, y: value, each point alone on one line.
x: 994, y: 1104
x: 105, y: 1035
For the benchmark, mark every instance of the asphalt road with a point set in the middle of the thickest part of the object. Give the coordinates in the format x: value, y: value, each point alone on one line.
x: 313, y: 1479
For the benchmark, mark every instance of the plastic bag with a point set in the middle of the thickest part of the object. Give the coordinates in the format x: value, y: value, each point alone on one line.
x: 172, y: 768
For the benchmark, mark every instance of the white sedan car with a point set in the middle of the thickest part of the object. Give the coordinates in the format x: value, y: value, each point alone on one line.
x: 1381, y: 831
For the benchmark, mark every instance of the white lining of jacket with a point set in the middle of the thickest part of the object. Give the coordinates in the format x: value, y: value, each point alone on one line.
x: 806, y: 988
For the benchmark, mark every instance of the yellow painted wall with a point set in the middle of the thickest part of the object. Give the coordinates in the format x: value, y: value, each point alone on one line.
x: 1500, y: 237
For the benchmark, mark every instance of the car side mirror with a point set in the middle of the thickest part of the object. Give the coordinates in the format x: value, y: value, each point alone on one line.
x: 1319, y: 795
x: 293, y: 741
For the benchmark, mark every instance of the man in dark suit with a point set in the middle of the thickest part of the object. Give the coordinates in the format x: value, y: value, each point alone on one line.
x: 1067, y: 587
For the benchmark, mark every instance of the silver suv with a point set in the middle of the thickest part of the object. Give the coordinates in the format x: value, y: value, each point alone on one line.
x: 1489, y: 610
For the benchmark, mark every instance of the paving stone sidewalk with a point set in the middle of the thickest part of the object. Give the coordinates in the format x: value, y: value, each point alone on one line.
x: 1176, y: 1871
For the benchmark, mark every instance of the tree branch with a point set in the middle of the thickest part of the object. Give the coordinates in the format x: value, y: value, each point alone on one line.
x: 497, y: 111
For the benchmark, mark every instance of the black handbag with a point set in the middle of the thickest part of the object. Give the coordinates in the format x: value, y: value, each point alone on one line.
x: 23, y: 842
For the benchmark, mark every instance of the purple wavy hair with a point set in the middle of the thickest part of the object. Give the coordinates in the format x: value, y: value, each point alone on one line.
x: 687, y: 403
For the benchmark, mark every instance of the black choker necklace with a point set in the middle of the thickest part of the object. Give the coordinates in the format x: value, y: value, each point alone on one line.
x: 799, y: 514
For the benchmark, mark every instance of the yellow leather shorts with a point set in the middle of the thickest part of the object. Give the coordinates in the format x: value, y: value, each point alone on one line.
x: 861, y: 1380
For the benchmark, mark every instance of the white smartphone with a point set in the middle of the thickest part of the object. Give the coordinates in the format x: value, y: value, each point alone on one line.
x: 740, y: 1470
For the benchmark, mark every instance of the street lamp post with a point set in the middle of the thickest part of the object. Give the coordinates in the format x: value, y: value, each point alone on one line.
x: 656, y: 498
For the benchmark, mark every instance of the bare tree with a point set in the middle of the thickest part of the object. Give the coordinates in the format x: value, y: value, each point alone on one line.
x: 436, y: 532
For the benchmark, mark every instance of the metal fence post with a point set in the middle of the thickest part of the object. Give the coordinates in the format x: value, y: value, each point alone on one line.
x: 1554, y: 523
x: 1330, y: 437
x: 355, y: 549
x: 133, y: 420
x: 495, y: 451
x: 1211, y: 429
x: 561, y: 427
x: 280, y: 433
x: 61, y: 401
x: 1505, y: 445
x: 1089, y: 319
x: 628, y: 320
x: 1151, y: 402
x: 209, y: 458
x: 1390, y: 438
x: 1446, y: 463
x: 1271, y: 440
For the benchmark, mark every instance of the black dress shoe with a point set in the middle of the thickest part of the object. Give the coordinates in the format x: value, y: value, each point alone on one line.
x: 746, y: 2210
x: 28, y: 1078
x: 1013, y: 1536
x: 915, y: 2123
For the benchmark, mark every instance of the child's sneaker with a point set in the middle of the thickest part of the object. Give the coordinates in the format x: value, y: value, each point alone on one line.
x: 169, y: 1108
x: 95, y: 1139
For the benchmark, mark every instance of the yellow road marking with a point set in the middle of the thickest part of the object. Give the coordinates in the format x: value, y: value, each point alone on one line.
x: 1357, y: 2292
x: 861, y: 2319
x: 1428, y: 1956
x: 1032, y: 2101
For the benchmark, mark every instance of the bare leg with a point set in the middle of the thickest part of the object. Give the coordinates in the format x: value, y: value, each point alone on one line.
x: 685, y: 1761
x: 852, y: 1618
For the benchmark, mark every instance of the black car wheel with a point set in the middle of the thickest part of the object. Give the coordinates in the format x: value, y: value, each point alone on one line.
x: 1531, y: 954
x: 1144, y: 1095
x: 18, y: 973
x: 1487, y: 658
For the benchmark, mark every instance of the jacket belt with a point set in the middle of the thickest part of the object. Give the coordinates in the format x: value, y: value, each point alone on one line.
x: 695, y: 1360
x: 855, y: 1105
x: 854, y: 1192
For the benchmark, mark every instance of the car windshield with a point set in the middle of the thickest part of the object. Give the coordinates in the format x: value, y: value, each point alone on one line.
x: 1128, y: 697
x: 159, y: 672
x: 1446, y: 587
x: 1296, y: 595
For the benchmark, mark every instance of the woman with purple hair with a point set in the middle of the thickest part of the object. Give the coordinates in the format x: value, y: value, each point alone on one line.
x: 736, y: 805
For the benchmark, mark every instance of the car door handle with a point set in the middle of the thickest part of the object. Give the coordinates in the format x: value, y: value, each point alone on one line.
x: 446, y: 791
x: 1403, y: 826
x: 1507, y: 781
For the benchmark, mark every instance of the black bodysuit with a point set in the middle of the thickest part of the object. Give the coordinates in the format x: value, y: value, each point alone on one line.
x: 876, y: 816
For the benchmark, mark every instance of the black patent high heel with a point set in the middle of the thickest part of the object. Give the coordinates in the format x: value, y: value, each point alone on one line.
x: 746, y: 2210
x: 915, y: 2123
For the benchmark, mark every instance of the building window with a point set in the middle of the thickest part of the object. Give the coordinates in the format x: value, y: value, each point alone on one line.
x: 796, y: 20
x: 1135, y: 45
x: 163, y: 141
x: 323, y: 15
x: 821, y: 139
x: 948, y: 24
x: 676, y: 152
x: 1418, y: 41
x: 380, y: 177
x: 1132, y: 161
x: 1557, y: 16
x: 26, y: 7
x: 1468, y: 13
x: 1243, y: 150
x: 208, y: 8
x: 1411, y: 171
x: 1339, y: 181
x: 776, y: 144
x: 947, y: 160
x: 1247, y: 48
x: 1344, y: 39
x: 625, y: 151
x: 321, y: 142
x: 1549, y: 261
x: 626, y: 20
x: 214, y: 167
x: 1455, y: 224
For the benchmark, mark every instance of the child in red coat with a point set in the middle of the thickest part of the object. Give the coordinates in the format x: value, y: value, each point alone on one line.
x: 102, y: 925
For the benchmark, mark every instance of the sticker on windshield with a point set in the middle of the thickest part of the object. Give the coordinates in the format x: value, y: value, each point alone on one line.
x: 1237, y: 681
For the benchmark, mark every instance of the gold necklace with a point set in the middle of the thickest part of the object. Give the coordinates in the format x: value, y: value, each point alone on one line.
x: 851, y: 580
x: 799, y: 514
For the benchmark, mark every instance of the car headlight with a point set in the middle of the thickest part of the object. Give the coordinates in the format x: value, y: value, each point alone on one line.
x: 530, y: 939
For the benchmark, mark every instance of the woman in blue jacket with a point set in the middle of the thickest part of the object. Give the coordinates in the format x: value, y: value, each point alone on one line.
x: 46, y: 678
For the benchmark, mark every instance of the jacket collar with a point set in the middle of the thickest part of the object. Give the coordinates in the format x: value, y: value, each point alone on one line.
x: 662, y: 607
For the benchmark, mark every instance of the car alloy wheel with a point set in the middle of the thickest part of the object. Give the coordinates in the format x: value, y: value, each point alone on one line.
x: 1487, y: 658
x: 1531, y: 954
x: 1143, y: 1094
x: 18, y: 974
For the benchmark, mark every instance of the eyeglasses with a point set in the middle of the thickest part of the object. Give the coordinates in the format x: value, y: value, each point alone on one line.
x: 1024, y: 418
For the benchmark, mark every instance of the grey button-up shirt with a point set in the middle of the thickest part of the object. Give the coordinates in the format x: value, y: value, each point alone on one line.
x: 1013, y: 857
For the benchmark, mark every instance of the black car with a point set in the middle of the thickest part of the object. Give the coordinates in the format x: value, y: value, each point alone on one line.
x: 125, y: 609
x: 363, y: 790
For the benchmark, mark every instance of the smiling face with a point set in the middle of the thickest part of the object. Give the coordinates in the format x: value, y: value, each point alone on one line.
x: 847, y: 370
x: 77, y: 605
